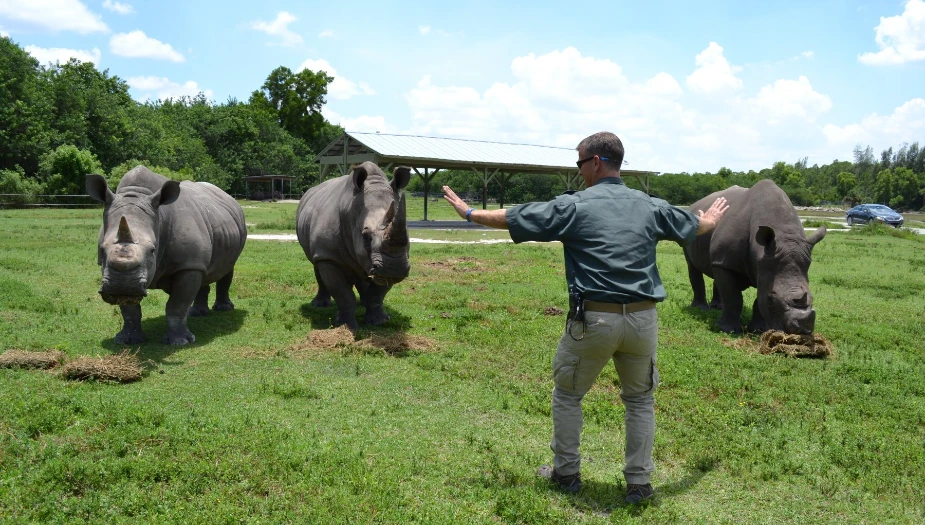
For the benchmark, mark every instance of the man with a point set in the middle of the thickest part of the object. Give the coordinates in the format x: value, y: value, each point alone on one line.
x: 609, y: 233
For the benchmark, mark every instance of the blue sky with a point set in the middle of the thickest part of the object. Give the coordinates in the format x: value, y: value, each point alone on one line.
x: 687, y: 86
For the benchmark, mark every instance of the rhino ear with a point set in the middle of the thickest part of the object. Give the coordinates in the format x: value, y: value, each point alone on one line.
x: 168, y: 193
x: 359, y: 177
x: 98, y: 189
x: 400, y: 178
x: 765, y: 236
x: 816, y: 236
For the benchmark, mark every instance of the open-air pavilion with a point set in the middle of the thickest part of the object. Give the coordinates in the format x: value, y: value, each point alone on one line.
x: 277, y: 186
x: 426, y: 156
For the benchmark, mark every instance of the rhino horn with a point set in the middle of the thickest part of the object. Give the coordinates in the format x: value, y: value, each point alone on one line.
x: 125, y: 234
x: 398, y: 230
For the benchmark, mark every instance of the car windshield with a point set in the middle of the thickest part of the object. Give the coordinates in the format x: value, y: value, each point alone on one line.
x: 879, y: 208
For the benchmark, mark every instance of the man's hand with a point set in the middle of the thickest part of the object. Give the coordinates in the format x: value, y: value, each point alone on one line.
x: 458, y: 204
x: 710, y: 217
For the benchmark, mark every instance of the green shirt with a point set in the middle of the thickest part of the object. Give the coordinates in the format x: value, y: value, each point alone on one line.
x: 609, y: 233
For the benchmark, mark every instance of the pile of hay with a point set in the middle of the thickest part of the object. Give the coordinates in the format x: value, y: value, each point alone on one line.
x: 343, y: 339
x: 122, y: 368
x: 23, y: 359
x: 794, y: 345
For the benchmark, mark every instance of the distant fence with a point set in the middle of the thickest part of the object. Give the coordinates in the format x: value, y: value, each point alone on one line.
x: 25, y: 200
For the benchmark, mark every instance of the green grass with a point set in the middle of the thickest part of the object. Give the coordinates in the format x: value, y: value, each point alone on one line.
x: 243, y: 427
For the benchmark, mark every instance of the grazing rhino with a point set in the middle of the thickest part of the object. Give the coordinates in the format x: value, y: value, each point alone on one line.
x: 759, y: 243
x: 353, y: 230
x: 174, y: 236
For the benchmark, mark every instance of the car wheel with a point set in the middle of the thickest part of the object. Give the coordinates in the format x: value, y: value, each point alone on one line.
x: 850, y: 221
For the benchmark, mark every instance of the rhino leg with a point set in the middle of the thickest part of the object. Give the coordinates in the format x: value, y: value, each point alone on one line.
x: 131, y: 325
x: 695, y: 276
x: 730, y: 321
x: 222, y: 300
x: 184, y: 287
x: 201, y: 303
x: 758, y: 323
x: 717, y: 302
x: 372, y: 295
x: 334, y: 280
x: 323, y: 297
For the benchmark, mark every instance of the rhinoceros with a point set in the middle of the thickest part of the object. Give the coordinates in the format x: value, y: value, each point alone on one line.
x: 760, y: 243
x: 174, y: 236
x: 354, y: 232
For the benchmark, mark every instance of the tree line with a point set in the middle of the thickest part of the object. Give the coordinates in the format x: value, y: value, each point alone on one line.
x: 59, y: 122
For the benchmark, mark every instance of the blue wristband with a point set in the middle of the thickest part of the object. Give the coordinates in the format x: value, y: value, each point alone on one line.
x: 469, y: 214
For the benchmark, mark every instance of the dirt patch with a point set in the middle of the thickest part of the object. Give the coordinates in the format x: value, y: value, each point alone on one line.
x: 121, y: 368
x: 342, y: 339
x: 32, y: 360
x: 552, y: 310
x: 458, y: 264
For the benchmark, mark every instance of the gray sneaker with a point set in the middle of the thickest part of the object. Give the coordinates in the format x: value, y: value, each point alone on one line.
x: 570, y: 484
x: 638, y: 493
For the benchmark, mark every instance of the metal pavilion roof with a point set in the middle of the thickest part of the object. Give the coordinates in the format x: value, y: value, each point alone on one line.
x: 443, y: 153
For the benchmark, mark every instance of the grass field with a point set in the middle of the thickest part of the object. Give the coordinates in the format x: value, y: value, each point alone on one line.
x: 252, y: 425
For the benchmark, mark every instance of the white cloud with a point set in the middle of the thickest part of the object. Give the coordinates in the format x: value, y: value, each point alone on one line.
x: 790, y: 98
x: 279, y: 28
x: 54, y: 15
x: 807, y: 54
x: 4, y: 33
x: 340, y: 88
x: 713, y: 73
x: 139, y: 45
x: 363, y: 123
x: 118, y: 7
x: 161, y: 88
x: 57, y: 55
x: 906, y: 124
x: 424, y: 29
x: 327, y: 33
x: 900, y: 38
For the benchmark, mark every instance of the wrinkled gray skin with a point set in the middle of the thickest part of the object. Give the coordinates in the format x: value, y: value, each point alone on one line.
x: 759, y: 243
x: 353, y: 230
x: 174, y: 236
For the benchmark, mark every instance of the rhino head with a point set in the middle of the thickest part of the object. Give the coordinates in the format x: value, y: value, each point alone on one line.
x: 381, y: 244
x: 128, y: 243
x: 783, y: 296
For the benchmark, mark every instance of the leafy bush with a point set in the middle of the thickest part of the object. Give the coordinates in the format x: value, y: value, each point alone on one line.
x: 116, y: 174
x: 64, y: 170
x: 17, y: 188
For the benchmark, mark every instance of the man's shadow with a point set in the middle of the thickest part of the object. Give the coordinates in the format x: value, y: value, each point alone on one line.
x: 206, y: 329
x: 603, y: 497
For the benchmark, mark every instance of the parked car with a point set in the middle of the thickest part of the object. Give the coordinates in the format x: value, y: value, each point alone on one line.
x: 867, y: 213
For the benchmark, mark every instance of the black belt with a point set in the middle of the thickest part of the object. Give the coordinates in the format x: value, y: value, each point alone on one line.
x: 595, y: 306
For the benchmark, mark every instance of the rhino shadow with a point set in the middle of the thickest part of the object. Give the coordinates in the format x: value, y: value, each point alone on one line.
x: 711, y: 316
x: 322, y: 318
x: 207, y: 329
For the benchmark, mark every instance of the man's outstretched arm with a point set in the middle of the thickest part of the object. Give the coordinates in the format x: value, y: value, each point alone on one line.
x: 490, y: 218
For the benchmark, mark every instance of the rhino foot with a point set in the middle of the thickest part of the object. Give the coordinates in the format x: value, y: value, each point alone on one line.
x: 730, y: 328
x: 178, y: 339
x: 376, y: 318
x: 318, y: 302
x: 224, y: 306
x: 198, y: 310
x: 700, y: 305
x: 350, y: 322
x: 129, y: 337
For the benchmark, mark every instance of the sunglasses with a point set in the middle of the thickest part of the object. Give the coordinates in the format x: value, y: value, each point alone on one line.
x: 582, y: 161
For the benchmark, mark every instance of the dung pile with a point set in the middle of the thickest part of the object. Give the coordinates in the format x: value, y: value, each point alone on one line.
x: 794, y: 345
x: 122, y: 368
x: 23, y: 359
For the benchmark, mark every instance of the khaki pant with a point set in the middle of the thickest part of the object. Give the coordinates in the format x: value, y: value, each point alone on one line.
x: 630, y: 341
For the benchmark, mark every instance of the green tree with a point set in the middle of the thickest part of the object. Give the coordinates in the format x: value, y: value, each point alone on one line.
x: 883, y: 187
x: 25, y: 112
x: 905, y: 188
x: 64, y: 170
x: 296, y: 99
x: 90, y: 110
x: 20, y: 188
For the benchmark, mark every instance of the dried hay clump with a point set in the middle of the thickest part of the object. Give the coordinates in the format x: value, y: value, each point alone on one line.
x: 794, y: 345
x: 342, y: 338
x: 123, y: 368
x: 22, y: 359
